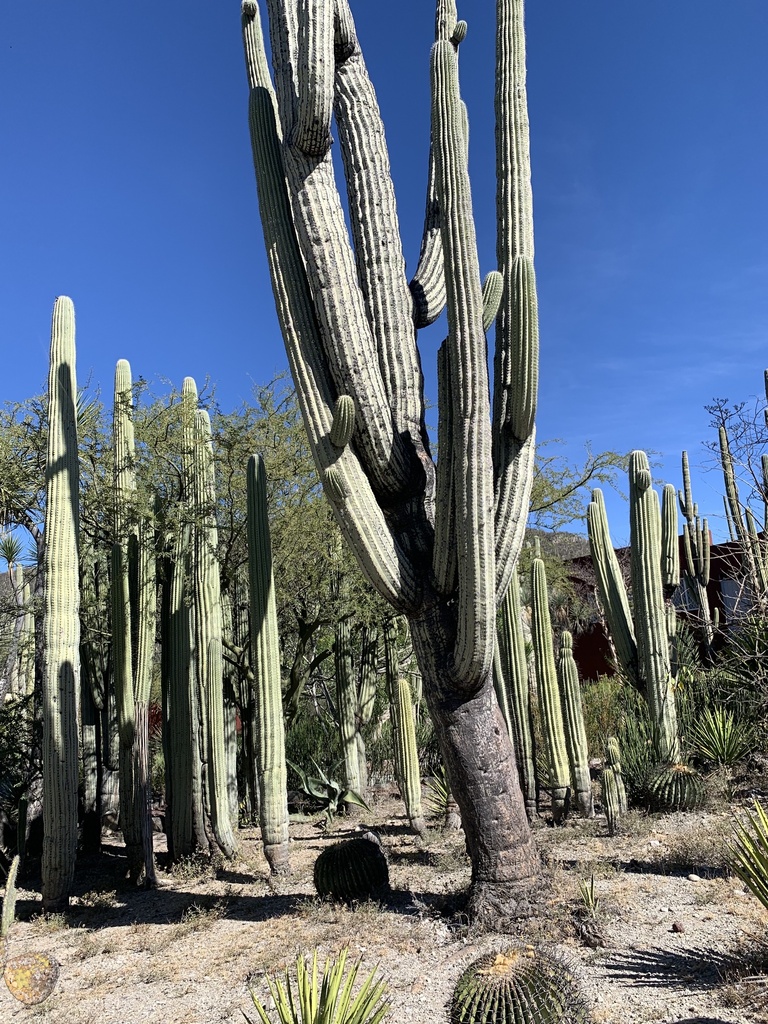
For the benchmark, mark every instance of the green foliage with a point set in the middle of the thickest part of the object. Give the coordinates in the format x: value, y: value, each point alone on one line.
x: 748, y: 852
x: 327, y: 794
x: 328, y: 1000
x: 718, y: 736
x: 437, y: 794
x: 16, y: 725
x: 8, y: 915
x: 560, y: 490
x: 588, y: 896
x: 522, y: 984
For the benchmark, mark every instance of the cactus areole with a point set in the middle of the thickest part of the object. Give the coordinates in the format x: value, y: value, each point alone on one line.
x: 438, y: 539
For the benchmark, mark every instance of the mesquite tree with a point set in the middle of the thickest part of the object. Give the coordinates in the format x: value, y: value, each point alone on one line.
x: 438, y: 541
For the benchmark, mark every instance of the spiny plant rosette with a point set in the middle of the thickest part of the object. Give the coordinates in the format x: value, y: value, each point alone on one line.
x: 30, y: 977
x: 306, y: 1003
x: 438, y: 539
x: 676, y: 787
x: 355, y: 869
x: 523, y: 985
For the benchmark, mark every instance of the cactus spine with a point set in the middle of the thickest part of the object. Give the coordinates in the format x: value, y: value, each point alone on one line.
x: 273, y: 802
x: 347, y: 317
x: 61, y: 645
x: 549, y: 696
x: 573, y: 720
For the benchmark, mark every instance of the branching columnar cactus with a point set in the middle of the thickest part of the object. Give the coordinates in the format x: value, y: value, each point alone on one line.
x: 750, y: 552
x: 514, y: 668
x: 439, y: 543
x: 549, y: 696
x: 265, y: 652
x: 61, y: 641
x: 573, y: 720
x: 208, y: 634
x: 523, y: 984
x: 642, y: 645
x: 696, y: 545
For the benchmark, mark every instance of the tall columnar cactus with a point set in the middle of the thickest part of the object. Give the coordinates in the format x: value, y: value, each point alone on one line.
x: 439, y: 543
x: 265, y: 652
x: 366, y: 697
x: 650, y: 608
x: 515, y: 671
x: 61, y: 641
x: 613, y: 760
x: 573, y: 720
x: 549, y: 696
x: 696, y: 547
x: 408, y: 757
x: 208, y: 635
x: 642, y: 642
x: 346, y: 704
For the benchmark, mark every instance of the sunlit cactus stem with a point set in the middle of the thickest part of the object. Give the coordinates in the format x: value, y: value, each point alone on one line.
x: 408, y: 757
x: 696, y: 548
x: 573, y: 720
x: 559, y: 781
x: 265, y: 652
x: 61, y: 642
x: 346, y: 704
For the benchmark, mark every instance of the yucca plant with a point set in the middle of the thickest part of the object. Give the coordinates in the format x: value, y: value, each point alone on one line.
x: 748, y: 852
x: 719, y: 736
x: 326, y: 1001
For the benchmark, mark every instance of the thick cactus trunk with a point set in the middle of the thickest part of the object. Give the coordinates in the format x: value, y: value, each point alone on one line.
x: 439, y: 542
x: 61, y: 651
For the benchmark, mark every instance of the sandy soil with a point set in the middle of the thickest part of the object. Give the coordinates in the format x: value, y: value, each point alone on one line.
x: 672, y: 938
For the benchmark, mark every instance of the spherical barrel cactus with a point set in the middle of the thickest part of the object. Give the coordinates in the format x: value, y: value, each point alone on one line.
x: 356, y: 869
x: 524, y: 985
x: 676, y: 787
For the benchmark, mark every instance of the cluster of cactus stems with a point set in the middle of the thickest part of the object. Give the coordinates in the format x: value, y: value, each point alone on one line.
x: 642, y: 643
x: 439, y: 544
x: 265, y: 655
x: 61, y: 644
x: 696, y: 547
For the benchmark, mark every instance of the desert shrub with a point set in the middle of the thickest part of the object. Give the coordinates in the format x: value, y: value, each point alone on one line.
x: 603, y: 707
x: 311, y: 738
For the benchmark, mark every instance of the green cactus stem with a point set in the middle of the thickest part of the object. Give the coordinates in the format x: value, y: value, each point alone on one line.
x: 573, y: 720
x: 346, y: 704
x: 515, y: 671
x: 613, y: 760
x: 696, y: 547
x: 612, y: 802
x: 61, y: 640
x: 408, y: 757
x: 273, y: 803
x: 559, y: 781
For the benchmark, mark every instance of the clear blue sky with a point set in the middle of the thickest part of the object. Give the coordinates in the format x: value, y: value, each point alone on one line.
x: 126, y: 183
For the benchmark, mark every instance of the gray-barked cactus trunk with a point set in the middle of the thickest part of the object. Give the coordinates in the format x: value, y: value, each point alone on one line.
x: 439, y: 542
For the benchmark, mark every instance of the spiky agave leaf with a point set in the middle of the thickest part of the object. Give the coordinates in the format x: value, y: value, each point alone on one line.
x: 748, y: 852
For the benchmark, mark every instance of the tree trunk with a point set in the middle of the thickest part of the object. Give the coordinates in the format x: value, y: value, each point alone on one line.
x: 482, y: 773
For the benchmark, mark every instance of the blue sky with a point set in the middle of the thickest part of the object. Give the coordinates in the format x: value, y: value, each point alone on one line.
x: 126, y: 183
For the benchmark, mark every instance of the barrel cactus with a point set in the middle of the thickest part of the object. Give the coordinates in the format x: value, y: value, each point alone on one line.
x: 355, y: 869
x: 522, y: 984
x: 676, y: 787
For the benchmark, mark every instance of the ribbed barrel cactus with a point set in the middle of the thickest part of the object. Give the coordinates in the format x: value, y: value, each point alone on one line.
x: 440, y: 540
x: 61, y: 641
x: 355, y: 869
x: 523, y: 984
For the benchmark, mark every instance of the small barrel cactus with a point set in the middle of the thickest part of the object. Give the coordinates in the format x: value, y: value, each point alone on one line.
x: 524, y: 984
x: 355, y: 869
x: 675, y: 787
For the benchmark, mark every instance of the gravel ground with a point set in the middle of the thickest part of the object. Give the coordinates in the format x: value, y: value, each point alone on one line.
x: 670, y: 938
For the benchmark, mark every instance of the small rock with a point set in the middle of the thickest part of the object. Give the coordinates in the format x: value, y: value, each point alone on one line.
x: 654, y: 842
x: 694, y: 878
x: 677, y: 926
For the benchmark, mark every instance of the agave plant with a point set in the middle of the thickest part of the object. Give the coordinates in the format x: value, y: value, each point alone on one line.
x: 718, y: 736
x: 748, y: 852
x: 327, y: 794
x: 329, y: 1001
